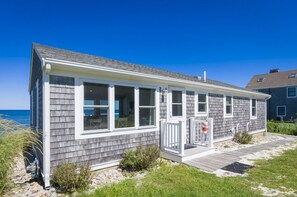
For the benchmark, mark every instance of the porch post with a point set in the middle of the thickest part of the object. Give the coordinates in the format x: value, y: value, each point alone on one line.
x: 192, y: 137
x: 181, y: 138
x: 210, y: 144
x: 162, y: 133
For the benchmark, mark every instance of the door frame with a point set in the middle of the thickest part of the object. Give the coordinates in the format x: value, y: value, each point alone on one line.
x: 182, y: 118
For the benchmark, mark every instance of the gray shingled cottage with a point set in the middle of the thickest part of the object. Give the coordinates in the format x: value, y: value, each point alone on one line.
x: 93, y: 109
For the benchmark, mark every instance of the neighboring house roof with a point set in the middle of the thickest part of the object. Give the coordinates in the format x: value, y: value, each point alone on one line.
x: 47, y: 52
x: 273, y: 80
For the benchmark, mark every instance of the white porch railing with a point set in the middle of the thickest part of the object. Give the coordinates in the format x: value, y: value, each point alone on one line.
x: 172, y: 137
x: 197, y: 136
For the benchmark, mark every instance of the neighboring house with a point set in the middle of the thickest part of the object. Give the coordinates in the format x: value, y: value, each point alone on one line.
x: 282, y: 86
x: 93, y: 109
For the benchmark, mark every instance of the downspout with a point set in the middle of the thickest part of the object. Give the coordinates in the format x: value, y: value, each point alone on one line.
x: 46, y: 124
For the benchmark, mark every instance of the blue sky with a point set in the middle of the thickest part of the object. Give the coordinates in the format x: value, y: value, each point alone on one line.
x: 231, y: 40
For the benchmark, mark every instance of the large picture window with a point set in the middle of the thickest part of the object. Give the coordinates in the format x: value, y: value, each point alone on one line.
x: 177, y: 106
x: 124, y: 106
x: 228, y: 106
x: 96, y: 106
x: 147, y: 107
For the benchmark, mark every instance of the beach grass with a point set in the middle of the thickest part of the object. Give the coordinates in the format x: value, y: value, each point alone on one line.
x: 15, y: 140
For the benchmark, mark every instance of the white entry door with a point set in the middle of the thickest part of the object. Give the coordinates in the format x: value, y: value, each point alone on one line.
x: 177, y: 106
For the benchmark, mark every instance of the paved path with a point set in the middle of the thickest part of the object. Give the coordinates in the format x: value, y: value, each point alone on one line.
x: 213, y: 162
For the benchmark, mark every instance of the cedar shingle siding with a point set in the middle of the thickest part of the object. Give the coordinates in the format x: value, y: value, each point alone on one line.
x: 64, y: 147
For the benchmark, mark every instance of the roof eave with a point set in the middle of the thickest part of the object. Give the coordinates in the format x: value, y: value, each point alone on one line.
x: 101, y: 68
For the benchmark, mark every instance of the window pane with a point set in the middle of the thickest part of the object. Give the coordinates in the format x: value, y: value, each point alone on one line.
x: 291, y: 92
x: 228, y: 100
x: 95, y: 94
x: 124, y: 106
x: 253, y: 111
x: 176, y: 96
x: 177, y: 110
x: 146, y: 116
x: 281, y: 111
x: 95, y: 118
x: 253, y: 102
x: 146, y: 97
x: 201, y: 107
x: 228, y: 109
x: 202, y: 98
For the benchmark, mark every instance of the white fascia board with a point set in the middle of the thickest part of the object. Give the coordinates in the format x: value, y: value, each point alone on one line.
x: 131, y: 73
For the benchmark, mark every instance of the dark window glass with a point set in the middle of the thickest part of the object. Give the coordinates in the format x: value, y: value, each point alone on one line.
x: 202, y: 98
x: 201, y: 107
x: 146, y: 116
x: 229, y: 105
x: 146, y: 97
x: 177, y: 110
x: 177, y: 96
x: 95, y: 94
x: 292, y: 92
x: 95, y: 118
x: 95, y: 106
x: 254, y: 107
x: 124, y: 106
x: 228, y: 109
x: 281, y: 111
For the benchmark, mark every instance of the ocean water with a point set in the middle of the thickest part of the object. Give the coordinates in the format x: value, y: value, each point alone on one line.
x: 20, y: 116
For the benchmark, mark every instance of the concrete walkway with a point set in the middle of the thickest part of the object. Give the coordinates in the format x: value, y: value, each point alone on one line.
x: 213, y: 162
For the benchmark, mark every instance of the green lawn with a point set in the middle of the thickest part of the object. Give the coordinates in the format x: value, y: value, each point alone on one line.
x: 181, y: 180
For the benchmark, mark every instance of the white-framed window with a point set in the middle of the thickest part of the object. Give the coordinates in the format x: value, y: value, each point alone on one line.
x: 281, y: 110
x: 177, y: 103
x: 228, y: 106
x: 95, y: 107
x: 108, y: 108
x: 147, y: 107
x: 253, y: 108
x: 291, y: 92
x: 201, y: 103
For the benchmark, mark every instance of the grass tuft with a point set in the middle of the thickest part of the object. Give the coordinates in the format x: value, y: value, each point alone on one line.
x: 15, y: 140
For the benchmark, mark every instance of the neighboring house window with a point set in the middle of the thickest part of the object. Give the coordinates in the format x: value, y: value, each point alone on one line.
x: 96, y: 106
x: 124, y: 106
x: 147, y: 107
x: 202, y: 103
x: 281, y: 110
x: 254, y: 108
x: 291, y: 92
x: 228, y: 106
x: 177, y: 106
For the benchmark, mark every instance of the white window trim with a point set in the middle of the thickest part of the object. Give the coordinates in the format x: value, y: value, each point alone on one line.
x: 146, y: 107
x: 232, y: 104
x: 111, y: 131
x: 251, y: 109
x: 288, y: 92
x: 31, y: 108
x: 196, y: 104
x: 277, y: 110
x: 169, y: 106
x: 37, y: 106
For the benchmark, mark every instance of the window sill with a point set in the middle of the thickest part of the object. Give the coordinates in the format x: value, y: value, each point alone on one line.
x: 201, y: 114
x: 228, y: 116
x: 253, y: 117
x: 107, y: 133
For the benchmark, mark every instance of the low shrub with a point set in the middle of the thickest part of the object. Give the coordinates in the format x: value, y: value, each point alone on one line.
x: 69, y: 178
x: 242, y: 137
x: 282, y: 128
x: 140, y: 159
x: 14, y: 141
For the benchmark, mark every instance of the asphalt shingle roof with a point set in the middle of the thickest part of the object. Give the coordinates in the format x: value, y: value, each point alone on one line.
x: 273, y: 80
x: 62, y: 54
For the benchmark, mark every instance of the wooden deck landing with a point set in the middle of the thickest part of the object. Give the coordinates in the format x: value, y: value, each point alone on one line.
x: 217, y: 161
